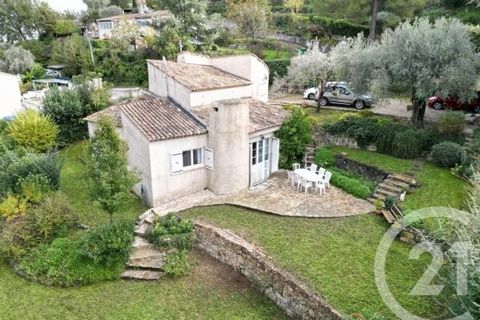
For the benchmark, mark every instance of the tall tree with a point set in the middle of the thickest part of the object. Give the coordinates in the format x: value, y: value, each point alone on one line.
x: 418, y: 57
x: 373, y: 20
x: 16, y: 19
x: 251, y: 16
x: 17, y: 60
x: 111, y: 181
x: 314, y: 66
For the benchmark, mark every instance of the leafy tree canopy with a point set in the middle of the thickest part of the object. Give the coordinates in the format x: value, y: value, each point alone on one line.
x: 17, y: 60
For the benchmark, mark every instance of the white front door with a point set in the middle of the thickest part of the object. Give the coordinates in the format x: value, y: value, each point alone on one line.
x: 260, y: 154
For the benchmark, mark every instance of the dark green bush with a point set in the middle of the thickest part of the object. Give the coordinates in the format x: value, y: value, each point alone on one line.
x: 61, y: 263
x: 340, y: 26
x: 350, y: 185
x: 325, y: 157
x: 407, y: 144
x: 295, y: 134
x: 451, y: 124
x: 447, y: 154
x: 17, y: 166
x: 171, y: 231
x: 389, y: 202
x: 108, y: 244
x: 278, y: 68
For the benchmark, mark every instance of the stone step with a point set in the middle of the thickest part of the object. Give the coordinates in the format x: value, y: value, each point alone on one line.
x: 151, y: 262
x: 142, y: 243
x: 379, y: 196
x: 409, y: 180
x: 397, y: 183
x: 387, y: 193
x: 390, y: 187
x: 146, y: 275
x: 141, y: 230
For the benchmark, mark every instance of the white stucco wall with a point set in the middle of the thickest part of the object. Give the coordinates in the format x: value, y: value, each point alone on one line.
x: 203, y: 98
x: 167, y: 186
x: 138, y: 158
x: 11, y: 97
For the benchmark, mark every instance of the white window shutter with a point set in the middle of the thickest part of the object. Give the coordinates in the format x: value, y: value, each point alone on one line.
x: 208, y: 158
x: 275, y: 154
x: 176, y: 163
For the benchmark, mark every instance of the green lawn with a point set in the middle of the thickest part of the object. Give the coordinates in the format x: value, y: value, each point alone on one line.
x: 335, y: 256
x: 325, y: 115
x: 271, y: 54
x: 438, y: 186
x: 201, y: 295
x: 74, y: 184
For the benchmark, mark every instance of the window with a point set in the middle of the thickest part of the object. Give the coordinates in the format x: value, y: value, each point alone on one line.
x: 267, y: 149
x: 260, y: 151
x: 143, y: 22
x: 254, y: 153
x: 192, y: 157
x: 105, y: 25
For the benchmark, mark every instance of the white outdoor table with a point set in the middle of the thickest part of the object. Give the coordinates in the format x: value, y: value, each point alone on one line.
x: 308, y: 175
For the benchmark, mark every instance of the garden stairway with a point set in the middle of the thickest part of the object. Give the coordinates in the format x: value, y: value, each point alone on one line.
x: 145, y: 261
x: 310, y: 155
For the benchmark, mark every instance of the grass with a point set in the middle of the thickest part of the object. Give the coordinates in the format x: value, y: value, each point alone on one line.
x: 197, y: 296
x: 271, y: 54
x: 325, y: 115
x: 334, y: 256
x: 74, y: 184
x: 438, y: 186
x: 208, y: 292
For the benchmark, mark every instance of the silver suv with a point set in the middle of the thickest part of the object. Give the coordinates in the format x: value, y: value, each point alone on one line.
x: 340, y: 94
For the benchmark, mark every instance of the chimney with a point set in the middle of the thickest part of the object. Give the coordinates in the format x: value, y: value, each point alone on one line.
x: 141, y: 6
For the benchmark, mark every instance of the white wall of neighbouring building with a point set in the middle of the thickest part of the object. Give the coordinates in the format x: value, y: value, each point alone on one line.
x: 11, y: 101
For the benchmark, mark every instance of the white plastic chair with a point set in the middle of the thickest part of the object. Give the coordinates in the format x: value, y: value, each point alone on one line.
x: 306, y: 184
x: 313, y: 167
x: 291, y: 177
x: 321, y: 172
x: 326, y: 180
x: 296, y: 166
x: 320, y: 186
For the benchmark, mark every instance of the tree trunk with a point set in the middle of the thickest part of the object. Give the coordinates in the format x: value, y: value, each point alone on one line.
x: 321, y: 91
x: 418, y: 112
x: 373, y: 20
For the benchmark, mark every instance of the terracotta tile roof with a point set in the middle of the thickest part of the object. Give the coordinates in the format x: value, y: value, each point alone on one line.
x: 161, y: 119
x: 262, y: 115
x: 146, y: 15
x: 198, y: 77
x: 112, y: 112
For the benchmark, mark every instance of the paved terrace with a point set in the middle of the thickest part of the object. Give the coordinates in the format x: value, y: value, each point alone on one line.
x: 275, y: 196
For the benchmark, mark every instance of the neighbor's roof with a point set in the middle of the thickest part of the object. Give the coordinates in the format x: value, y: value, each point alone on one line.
x: 161, y: 119
x: 112, y: 112
x: 146, y: 15
x: 262, y: 115
x: 198, y: 77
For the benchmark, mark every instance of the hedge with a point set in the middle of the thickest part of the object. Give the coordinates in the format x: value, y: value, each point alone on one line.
x: 339, y: 26
x: 350, y: 185
x: 278, y: 68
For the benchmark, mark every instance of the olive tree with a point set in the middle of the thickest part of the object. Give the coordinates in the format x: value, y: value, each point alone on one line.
x: 315, y: 66
x: 418, y: 58
x: 17, y: 60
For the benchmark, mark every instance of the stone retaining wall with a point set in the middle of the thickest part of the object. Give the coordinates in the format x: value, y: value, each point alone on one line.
x: 365, y: 171
x: 322, y: 138
x: 280, y: 286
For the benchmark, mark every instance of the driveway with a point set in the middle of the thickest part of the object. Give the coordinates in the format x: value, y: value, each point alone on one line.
x: 392, y: 107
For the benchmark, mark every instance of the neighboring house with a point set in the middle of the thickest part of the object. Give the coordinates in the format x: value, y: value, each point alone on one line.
x: 11, y: 96
x: 201, y: 126
x: 105, y: 26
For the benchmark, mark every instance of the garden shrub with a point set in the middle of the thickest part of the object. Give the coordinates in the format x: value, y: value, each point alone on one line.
x: 452, y: 123
x: 407, y: 144
x: 278, y: 68
x: 61, y: 264
x: 34, y: 131
x: 447, y: 154
x: 350, y: 185
x: 295, y: 134
x: 171, y: 231
x: 339, y: 26
x: 107, y: 244
x: 12, y: 207
x: 324, y: 157
x: 18, y: 166
x: 177, y: 264
x: 390, y: 202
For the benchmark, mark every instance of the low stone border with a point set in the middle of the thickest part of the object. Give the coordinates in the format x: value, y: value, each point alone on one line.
x: 364, y: 170
x: 280, y: 286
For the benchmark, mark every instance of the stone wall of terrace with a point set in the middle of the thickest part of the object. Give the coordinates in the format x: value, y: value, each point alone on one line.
x: 280, y: 286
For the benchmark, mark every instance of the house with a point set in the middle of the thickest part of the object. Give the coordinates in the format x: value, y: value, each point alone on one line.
x: 105, y: 26
x: 11, y: 96
x: 205, y: 123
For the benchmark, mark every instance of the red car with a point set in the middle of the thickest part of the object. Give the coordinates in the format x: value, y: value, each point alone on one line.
x: 454, y: 103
